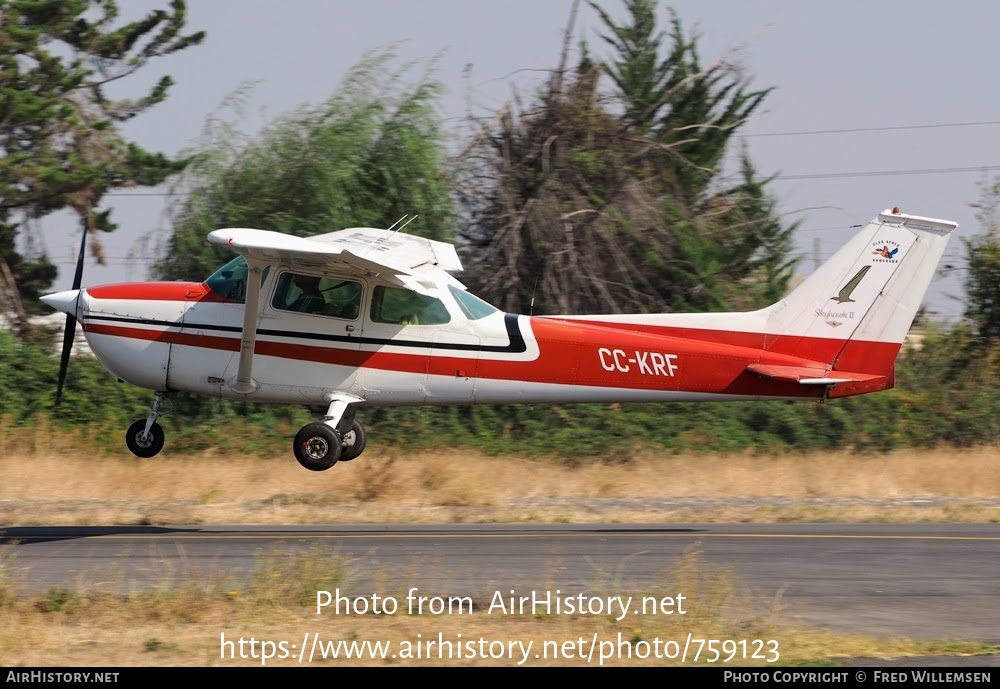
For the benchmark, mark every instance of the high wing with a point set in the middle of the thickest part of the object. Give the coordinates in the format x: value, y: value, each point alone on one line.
x: 360, y: 250
x: 404, y: 260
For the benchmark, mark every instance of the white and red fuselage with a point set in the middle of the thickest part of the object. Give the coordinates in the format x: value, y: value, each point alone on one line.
x: 182, y: 336
x: 836, y: 335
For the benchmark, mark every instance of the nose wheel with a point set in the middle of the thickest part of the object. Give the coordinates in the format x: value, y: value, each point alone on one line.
x: 145, y: 438
x: 142, y: 443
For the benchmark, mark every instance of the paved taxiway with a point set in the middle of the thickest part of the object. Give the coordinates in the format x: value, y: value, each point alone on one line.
x: 922, y: 581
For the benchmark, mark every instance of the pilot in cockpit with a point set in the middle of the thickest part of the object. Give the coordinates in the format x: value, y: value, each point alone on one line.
x: 311, y: 299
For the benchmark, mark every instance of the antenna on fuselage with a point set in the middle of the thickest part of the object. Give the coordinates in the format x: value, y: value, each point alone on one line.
x: 375, y: 242
x: 404, y: 223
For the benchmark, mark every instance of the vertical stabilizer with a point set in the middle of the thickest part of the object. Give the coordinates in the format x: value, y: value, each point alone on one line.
x: 858, y: 307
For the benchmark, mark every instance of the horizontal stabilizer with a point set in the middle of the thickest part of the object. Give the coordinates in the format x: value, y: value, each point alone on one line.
x: 810, y: 375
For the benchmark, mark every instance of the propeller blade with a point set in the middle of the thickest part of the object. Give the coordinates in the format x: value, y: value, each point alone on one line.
x: 67, y: 347
x: 70, y: 332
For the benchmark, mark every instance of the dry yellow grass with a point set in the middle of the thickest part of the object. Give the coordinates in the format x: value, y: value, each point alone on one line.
x: 182, y: 624
x: 452, y: 486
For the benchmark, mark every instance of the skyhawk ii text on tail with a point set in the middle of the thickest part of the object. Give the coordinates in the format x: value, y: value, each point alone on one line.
x: 370, y: 317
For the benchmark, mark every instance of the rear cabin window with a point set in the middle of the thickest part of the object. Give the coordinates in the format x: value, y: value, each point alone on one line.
x: 406, y: 307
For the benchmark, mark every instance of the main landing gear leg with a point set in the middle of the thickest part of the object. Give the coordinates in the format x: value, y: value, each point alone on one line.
x: 318, y: 446
x: 145, y: 438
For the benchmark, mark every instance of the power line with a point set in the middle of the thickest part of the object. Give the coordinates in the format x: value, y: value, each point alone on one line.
x: 889, y: 173
x: 813, y: 175
x: 874, y: 129
x: 818, y: 175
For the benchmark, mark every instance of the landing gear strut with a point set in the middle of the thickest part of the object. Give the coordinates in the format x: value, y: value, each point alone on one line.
x: 339, y: 438
x: 145, y: 438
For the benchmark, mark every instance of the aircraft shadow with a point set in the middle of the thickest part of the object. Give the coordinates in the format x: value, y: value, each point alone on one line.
x: 25, y: 535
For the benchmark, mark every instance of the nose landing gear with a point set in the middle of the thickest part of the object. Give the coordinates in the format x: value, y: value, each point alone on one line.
x: 145, y: 437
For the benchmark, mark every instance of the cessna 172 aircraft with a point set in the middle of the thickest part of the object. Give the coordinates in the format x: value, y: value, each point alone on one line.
x: 367, y: 317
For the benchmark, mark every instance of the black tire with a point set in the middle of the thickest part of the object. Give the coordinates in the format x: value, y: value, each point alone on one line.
x: 354, y: 442
x: 148, y: 448
x: 317, y: 446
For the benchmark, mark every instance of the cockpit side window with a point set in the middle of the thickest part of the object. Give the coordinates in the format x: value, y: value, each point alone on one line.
x: 318, y: 295
x: 230, y: 281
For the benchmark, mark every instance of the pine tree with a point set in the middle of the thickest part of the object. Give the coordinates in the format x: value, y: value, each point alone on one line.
x: 60, y: 146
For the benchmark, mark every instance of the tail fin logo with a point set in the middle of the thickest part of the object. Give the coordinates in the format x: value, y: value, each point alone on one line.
x: 844, y: 295
x: 885, y: 252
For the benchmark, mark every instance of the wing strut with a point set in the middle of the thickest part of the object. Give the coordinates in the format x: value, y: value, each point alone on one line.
x: 243, y: 383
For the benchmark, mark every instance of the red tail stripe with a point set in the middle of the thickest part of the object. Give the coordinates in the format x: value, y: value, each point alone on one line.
x: 851, y: 355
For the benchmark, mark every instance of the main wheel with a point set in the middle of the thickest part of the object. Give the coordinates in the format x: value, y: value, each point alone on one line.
x: 354, y: 442
x: 147, y: 447
x: 317, y: 446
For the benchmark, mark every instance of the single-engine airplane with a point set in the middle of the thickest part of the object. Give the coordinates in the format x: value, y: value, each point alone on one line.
x: 368, y: 317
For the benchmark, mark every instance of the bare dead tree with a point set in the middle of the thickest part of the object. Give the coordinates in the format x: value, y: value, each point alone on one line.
x: 573, y: 209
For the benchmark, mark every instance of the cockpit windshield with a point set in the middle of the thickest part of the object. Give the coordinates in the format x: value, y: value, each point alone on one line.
x: 472, y: 306
x: 230, y: 281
